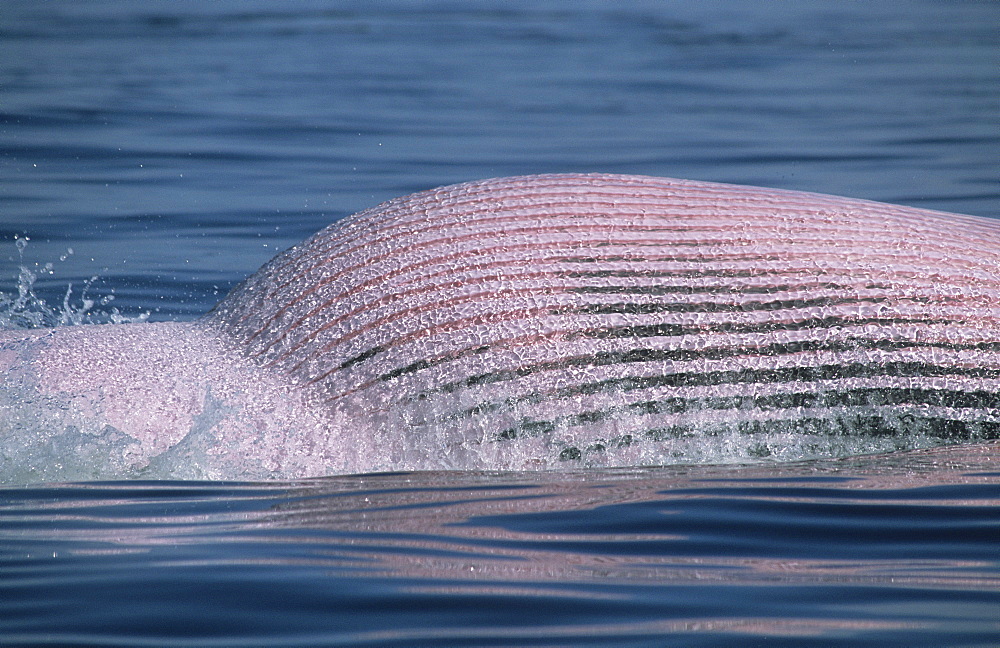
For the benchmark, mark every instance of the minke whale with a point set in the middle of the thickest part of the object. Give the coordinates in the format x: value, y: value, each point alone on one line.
x: 540, y: 321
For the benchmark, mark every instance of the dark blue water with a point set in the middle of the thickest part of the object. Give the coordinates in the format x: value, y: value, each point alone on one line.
x: 170, y: 148
x: 820, y: 554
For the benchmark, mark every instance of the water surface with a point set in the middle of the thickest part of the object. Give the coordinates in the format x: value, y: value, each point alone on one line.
x: 170, y: 148
x: 873, y: 552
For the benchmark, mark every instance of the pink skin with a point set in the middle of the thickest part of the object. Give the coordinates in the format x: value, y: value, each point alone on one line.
x: 153, y: 382
x: 412, y: 334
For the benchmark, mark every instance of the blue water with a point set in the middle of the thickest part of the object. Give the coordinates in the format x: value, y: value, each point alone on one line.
x: 820, y: 554
x: 169, y: 148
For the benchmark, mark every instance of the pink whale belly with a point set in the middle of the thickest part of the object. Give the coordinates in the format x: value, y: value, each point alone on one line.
x: 563, y: 320
x: 590, y: 313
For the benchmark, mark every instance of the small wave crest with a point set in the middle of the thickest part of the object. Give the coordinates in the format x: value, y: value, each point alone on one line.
x: 49, y: 439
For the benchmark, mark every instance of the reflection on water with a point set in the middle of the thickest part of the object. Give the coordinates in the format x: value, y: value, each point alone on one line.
x: 899, y: 547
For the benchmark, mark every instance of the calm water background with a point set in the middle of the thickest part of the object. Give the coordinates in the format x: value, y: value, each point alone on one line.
x: 170, y: 148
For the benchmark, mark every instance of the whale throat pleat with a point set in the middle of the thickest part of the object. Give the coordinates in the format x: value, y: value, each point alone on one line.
x: 622, y: 308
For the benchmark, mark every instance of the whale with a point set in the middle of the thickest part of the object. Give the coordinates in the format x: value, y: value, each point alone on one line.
x: 537, y: 322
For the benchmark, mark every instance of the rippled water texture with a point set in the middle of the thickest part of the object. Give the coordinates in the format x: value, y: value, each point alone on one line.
x: 154, y: 154
x: 884, y: 551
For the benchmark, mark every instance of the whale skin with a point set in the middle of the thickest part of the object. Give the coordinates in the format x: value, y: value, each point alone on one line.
x: 539, y: 321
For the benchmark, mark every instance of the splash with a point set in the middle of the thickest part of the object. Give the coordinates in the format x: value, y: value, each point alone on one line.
x: 27, y: 309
